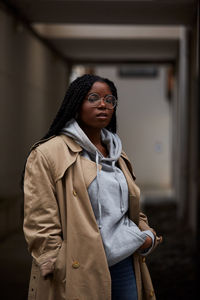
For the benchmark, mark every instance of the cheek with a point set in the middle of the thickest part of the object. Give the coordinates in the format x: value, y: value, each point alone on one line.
x: 110, y: 112
x: 85, y: 113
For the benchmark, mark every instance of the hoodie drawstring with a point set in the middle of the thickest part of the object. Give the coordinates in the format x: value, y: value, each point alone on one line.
x: 98, y: 189
x: 121, y: 189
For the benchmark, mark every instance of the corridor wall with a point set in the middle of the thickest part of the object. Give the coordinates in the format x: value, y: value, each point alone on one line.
x: 32, y: 84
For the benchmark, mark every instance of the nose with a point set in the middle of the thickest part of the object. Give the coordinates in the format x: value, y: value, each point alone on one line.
x: 102, y: 103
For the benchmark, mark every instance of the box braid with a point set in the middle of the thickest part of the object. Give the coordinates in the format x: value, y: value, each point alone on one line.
x: 73, y: 99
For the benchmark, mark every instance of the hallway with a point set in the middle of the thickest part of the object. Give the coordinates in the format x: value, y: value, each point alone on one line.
x: 41, y: 44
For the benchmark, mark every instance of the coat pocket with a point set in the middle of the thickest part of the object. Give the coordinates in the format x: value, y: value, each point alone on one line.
x: 59, y: 273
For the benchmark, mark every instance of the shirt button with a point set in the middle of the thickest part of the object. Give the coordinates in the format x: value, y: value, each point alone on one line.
x: 151, y: 294
x: 75, y: 265
x: 74, y: 193
x: 143, y: 259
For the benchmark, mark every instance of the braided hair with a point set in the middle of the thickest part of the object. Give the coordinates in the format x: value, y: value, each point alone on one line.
x: 73, y: 99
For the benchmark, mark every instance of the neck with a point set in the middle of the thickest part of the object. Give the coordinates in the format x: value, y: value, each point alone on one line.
x: 94, y: 134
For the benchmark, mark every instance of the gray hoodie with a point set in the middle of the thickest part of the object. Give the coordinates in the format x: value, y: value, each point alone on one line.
x: 108, y: 194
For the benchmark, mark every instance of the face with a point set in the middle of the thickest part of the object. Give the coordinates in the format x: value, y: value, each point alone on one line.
x: 96, y: 117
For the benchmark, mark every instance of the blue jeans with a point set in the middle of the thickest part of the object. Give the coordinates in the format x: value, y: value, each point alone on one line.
x: 123, y: 280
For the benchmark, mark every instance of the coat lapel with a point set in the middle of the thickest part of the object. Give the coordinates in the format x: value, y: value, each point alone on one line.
x: 134, y: 192
x: 89, y: 170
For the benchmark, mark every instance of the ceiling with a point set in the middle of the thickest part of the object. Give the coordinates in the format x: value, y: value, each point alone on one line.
x: 83, y: 31
x: 176, y: 12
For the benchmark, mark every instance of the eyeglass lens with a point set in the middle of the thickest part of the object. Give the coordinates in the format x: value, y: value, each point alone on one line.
x: 109, y: 100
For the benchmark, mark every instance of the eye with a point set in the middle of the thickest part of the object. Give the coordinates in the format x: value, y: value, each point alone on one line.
x: 93, y: 97
x: 110, y: 99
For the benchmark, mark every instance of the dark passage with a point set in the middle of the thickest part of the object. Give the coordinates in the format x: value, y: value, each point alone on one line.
x: 172, y: 265
x: 15, y: 264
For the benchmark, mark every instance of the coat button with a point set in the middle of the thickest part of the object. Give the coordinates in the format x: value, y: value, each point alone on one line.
x: 143, y: 259
x: 75, y: 265
x: 151, y: 294
x: 74, y: 193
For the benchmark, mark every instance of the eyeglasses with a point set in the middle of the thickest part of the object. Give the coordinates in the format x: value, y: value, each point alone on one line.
x: 109, y: 100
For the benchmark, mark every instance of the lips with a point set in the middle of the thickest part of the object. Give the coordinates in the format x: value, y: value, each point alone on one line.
x: 102, y: 115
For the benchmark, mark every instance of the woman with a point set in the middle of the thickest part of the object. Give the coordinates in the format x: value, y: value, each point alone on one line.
x: 82, y: 221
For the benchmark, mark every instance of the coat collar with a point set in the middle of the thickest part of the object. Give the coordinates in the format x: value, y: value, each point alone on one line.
x: 74, y: 147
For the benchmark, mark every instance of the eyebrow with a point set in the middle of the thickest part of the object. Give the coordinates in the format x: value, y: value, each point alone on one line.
x: 98, y: 94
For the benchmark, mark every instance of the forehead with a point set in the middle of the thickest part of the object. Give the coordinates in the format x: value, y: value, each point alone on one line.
x: 100, y: 88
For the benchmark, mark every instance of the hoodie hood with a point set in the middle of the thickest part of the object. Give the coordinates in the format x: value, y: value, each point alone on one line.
x: 111, y: 140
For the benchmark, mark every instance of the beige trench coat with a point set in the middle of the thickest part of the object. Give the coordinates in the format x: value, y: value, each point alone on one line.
x: 61, y: 230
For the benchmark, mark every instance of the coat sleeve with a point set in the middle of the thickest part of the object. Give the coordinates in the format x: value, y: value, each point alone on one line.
x: 143, y: 225
x: 42, y: 227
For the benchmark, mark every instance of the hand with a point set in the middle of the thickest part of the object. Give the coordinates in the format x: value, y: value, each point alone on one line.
x: 147, y: 244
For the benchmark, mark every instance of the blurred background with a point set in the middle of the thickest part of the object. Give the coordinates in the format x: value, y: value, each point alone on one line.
x: 150, y: 49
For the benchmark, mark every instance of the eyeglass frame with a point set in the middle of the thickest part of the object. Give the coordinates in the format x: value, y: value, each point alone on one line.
x: 100, y: 98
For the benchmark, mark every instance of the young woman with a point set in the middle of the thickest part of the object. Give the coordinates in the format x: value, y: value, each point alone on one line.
x: 82, y: 223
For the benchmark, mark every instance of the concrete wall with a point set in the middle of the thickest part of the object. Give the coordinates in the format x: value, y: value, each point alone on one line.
x: 192, y: 200
x: 144, y: 125
x: 32, y: 84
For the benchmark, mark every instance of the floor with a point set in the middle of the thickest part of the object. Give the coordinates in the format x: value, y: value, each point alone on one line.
x: 172, y: 265
x: 15, y: 264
